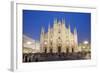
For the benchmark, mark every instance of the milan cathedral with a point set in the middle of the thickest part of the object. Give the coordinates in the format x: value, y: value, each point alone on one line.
x: 58, y: 39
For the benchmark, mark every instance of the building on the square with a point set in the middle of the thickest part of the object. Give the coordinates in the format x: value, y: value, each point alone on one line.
x: 58, y: 39
x: 85, y: 46
x: 30, y: 45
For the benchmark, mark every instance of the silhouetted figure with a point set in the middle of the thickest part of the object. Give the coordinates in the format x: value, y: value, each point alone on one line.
x: 36, y: 60
x: 25, y: 58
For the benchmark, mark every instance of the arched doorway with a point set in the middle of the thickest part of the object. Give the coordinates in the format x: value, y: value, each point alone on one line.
x: 59, y: 49
x: 45, y: 50
x: 51, y: 50
x: 59, y: 44
x: 72, y: 50
x: 67, y: 50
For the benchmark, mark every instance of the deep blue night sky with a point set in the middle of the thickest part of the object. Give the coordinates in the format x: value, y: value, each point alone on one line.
x: 33, y: 21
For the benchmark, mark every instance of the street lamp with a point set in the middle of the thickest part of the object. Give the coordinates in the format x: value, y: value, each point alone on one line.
x: 85, y: 42
x: 85, y: 46
x: 28, y: 42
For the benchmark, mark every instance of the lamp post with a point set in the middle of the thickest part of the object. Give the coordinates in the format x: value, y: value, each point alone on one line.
x: 84, y: 47
x: 85, y: 42
x: 87, y: 50
x: 28, y: 42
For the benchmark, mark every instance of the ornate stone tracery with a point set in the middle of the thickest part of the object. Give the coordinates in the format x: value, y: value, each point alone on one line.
x: 58, y: 39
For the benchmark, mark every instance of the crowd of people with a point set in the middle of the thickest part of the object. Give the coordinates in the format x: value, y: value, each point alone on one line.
x: 39, y: 57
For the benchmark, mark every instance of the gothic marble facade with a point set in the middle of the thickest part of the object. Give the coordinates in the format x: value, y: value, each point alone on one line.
x: 58, y: 39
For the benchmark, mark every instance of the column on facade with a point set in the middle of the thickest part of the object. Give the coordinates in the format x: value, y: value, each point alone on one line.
x: 75, y: 40
x: 63, y: 36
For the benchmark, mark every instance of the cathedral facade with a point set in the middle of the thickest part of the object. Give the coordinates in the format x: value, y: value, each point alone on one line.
x: 58, y: 39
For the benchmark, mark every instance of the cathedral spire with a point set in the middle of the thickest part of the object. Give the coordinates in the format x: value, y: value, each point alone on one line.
x: 49, y: 27
x: 75, y: 31
x: 42, y: 39
x: 59, y: 22
x: 75, y: 36
x: 55, y: 21
x: 69, y: 28
x: 42, y: 31
x: 63, y: 21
